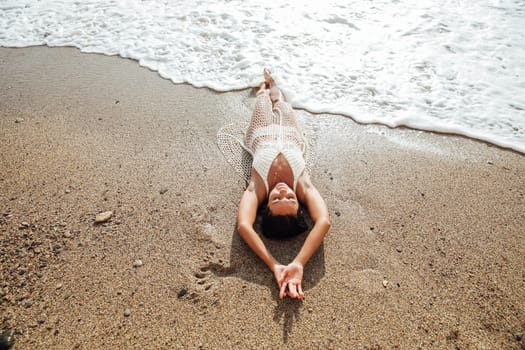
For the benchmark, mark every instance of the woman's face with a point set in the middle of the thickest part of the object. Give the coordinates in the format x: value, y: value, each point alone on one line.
x: 282, y: 200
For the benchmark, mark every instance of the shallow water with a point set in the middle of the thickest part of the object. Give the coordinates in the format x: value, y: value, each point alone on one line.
x: 449, y: 66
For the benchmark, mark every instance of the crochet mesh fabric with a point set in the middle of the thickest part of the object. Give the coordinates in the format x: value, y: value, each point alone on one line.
x: 238, y: 141
x: 230, y: 141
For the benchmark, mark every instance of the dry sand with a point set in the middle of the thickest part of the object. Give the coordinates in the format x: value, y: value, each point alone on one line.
x: 426, y: 248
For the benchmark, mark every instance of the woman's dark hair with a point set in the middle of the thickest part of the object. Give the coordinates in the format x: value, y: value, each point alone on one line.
x: 282, y: 226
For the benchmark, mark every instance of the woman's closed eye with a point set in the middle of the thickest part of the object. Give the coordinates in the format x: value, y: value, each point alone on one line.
x: 290, y: 198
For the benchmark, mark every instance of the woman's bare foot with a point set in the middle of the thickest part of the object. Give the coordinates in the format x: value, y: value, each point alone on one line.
x: 268, y: 78
x: 275, y: 93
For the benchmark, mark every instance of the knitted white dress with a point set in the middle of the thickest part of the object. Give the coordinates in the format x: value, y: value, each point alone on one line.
x: 274, y: 131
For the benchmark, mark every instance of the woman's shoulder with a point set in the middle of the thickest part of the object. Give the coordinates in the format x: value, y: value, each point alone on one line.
x: 256, y: 185
x: 304, y: 180
x: 304, y: 185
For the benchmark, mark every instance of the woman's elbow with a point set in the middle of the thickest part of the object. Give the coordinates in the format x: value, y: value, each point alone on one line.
x: 324, y: 222
x: 243, y: 227
x: 328, y: 224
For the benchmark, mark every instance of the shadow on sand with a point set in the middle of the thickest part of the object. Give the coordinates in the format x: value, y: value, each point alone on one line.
x: 251, y: 269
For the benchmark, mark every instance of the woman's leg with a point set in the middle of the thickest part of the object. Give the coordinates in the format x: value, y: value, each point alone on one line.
x: 262, y: 114
x: 285, y: 111
x: 262, y: 89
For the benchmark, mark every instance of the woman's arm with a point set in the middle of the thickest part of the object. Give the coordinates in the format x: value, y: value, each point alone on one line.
x: 319, y: 214
x: 245, y: 219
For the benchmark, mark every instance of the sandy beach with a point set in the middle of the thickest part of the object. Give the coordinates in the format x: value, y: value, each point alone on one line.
x: 426, y: 249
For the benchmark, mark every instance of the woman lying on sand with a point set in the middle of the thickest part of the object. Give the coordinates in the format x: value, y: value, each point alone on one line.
x: 279, y: 184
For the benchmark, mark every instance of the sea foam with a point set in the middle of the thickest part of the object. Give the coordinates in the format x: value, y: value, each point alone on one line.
x: 446, y: 66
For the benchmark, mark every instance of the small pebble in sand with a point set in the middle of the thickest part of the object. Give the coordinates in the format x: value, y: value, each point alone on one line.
x: 385, y: 283
x: 182, y: 293
x: 6, y: 340
x: 67, y: 190
x: 103, y: 217
x: 164, y: 190
x: 19, y: 120
x: 41, y: 319
x: 137, y: 263
x: 399, y: 249
x: 338, y: 213
x: 127, y: 312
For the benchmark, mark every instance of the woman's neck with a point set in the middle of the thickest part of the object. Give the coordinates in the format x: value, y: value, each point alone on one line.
x: 280, y: 171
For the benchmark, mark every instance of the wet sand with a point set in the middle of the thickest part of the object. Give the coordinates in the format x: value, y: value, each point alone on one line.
x: 426, y: 248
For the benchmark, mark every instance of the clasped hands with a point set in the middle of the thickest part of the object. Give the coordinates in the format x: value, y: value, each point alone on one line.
x: 289, y: 279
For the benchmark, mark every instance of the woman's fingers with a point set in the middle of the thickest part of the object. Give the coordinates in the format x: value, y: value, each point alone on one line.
x: 289, y: 281
x: 283, y: 277
x: 292, y: 288
x: 282, y: 293
x: 300, y: 290
x: 279, y: 274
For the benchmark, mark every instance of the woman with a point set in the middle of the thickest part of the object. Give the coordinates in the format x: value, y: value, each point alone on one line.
x: 279, y: 181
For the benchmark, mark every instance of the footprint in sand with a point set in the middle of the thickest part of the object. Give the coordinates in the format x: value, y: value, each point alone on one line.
x: 203, y: 279
x: 208, y: 274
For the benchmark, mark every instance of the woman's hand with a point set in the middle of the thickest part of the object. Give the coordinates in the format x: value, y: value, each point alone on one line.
x: 278, y: 272
x: 289, y: 280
